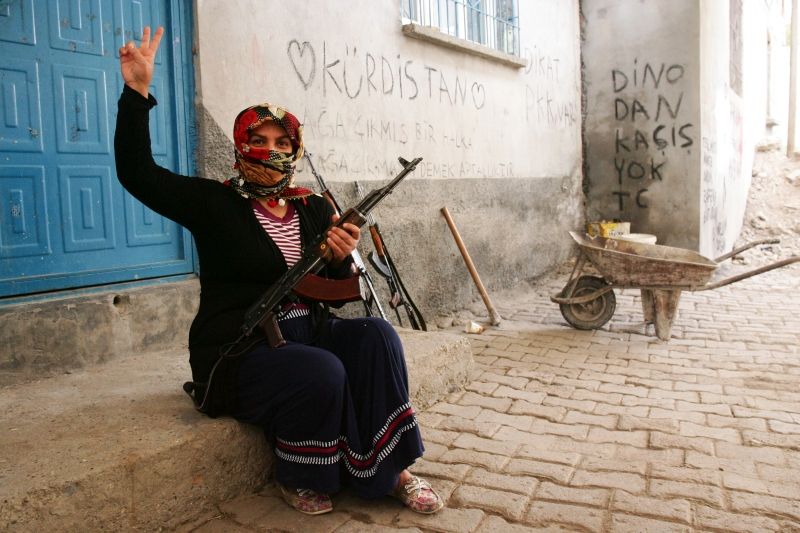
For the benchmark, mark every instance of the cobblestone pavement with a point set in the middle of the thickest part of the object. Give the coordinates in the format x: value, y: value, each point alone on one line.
x: 609, y: 430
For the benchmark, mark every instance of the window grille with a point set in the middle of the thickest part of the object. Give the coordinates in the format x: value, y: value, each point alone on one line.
x: 492, y: 23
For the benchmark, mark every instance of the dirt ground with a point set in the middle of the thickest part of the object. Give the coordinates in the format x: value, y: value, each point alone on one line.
x: 773, y: 207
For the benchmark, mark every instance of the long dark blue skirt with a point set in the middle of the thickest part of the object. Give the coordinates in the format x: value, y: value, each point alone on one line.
x: 337, y: 411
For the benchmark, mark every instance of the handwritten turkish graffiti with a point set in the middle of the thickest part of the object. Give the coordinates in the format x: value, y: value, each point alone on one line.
x: 328, y: 123
x: 352, y: 72
x: 371, y: 166
x: 540, y: 64
x: 709, y: 199
x: 544, y: 106
x: 647, y: 109
x: 545, y: 101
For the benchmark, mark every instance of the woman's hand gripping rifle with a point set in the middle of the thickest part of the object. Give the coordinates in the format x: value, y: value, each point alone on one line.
x: 366, y: 287
x: 264, y: 313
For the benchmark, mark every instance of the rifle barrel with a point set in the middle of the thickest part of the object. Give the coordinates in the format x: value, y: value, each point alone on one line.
x: 322, y: 185
x: 373, y: 197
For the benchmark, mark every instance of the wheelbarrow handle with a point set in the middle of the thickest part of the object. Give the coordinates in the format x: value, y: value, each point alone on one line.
x: 745, y: 247
x: 749, y: 273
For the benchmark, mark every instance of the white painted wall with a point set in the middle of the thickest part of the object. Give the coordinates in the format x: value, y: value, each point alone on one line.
x: 367, y: 93
x: 716, y: 120
x: 733, y: 115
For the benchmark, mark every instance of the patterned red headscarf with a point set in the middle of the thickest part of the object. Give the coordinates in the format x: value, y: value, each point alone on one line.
x: 252, y: 161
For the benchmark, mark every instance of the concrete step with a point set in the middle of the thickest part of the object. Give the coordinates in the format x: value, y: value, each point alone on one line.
x: 119, y: 446
x: 50, y: 334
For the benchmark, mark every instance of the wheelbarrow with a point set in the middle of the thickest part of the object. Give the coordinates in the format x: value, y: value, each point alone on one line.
x: 662, y: 273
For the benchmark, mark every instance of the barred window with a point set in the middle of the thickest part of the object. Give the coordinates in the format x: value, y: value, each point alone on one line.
x: 492, y: 23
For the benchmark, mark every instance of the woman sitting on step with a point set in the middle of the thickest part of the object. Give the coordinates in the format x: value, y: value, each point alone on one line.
x: 334, y: 400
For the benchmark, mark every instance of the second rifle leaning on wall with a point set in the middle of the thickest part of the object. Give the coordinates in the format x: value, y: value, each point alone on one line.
x: 381, y: 260
x: 369, y: 297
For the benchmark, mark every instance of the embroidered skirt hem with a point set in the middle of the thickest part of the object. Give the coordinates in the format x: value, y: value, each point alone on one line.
x: 336, y: 408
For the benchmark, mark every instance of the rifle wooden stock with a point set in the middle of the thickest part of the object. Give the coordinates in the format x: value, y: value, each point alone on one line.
x: 377, y: 241
x: 326, y: 290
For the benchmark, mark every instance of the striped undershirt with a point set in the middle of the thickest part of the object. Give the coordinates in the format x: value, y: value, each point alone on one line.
x: 285, y: 233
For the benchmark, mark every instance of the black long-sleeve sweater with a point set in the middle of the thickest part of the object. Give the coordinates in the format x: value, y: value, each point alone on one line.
x: 238, y: 260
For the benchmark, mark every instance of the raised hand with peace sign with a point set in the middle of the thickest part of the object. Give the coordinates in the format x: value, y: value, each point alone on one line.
x: 136, y: 64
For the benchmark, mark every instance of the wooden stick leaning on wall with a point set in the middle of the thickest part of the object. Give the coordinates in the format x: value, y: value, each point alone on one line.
x: 494, y: 316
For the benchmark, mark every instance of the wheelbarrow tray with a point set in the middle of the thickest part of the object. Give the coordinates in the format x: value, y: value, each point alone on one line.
x: 661, y: 272
x: 638, y: 264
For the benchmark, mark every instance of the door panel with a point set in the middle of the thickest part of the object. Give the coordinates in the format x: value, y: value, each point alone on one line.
x: 23, y: 232
x: 16, y: 22
x: 87, y: 221
x: 21, y: 127
x: 65, y: 221
x: 81, y: 110
x: 75, y: 26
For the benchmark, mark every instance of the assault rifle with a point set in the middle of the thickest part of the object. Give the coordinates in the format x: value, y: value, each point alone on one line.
x: 382, y: 262
x: 264, y: 313
x: 367, y: 288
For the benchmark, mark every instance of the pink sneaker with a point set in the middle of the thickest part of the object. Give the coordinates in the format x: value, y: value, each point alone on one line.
x: 307, y: 501
x: 417, y: 495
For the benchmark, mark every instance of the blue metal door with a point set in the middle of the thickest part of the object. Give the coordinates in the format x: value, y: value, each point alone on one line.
x: 64, y: 219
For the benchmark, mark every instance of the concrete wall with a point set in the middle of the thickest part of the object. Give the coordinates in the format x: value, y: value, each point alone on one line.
x: 45, y: 336
x: 733, y: 49
x: 674, y: 110
x: 501, y: 144
x: 642, y: 121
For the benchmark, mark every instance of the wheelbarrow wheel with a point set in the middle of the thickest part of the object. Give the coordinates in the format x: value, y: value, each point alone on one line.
x: 592, y: 314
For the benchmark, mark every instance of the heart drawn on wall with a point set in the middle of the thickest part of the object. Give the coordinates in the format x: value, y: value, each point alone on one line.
x: 478, y: 95
x: 305, y: 65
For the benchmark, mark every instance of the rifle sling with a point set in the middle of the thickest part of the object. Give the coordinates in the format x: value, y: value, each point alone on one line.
x: 321, y: 289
